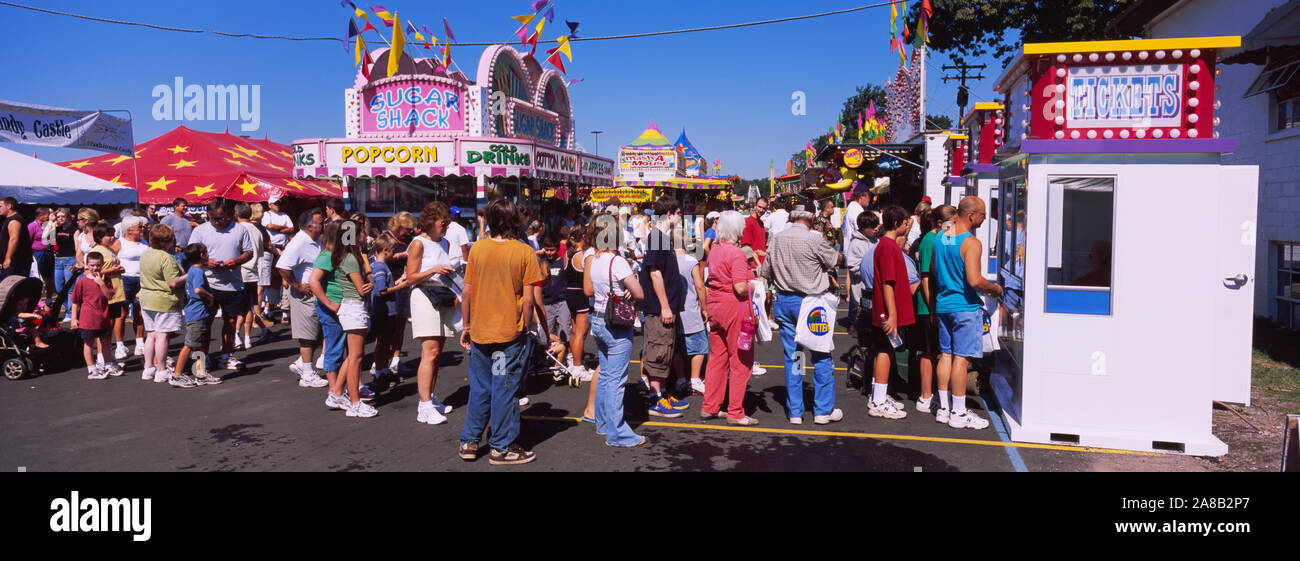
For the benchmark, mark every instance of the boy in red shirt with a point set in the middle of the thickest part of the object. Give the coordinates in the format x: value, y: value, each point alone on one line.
x: 90, y: 315
x: 891, y: 304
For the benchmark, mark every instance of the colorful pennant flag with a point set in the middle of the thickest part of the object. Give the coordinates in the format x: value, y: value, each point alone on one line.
x: 557, y: 61
x: 446, y: 47
x: 413, y: 32
x: 563, y: 47
x: 396, y: 52
x: 524, y: 20
x: 366, y: 61
x: 539, y: 4
x: 573, y: 28
x: 550, y: 14
x: 541, y: 24
x: 925, y: 5
x: 369, y: 26
x: 383, y: 14
x: 352, y: 32
x: 361, y: 48
x: 450, y: 36
x: 574, y: 81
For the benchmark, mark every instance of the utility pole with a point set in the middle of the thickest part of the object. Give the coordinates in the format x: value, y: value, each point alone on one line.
x: 597, y: 143
x: 963, y: 93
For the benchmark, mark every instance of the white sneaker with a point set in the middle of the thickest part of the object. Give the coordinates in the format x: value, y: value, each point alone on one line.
x: 798, y: 420
x: 942, y: 415
x: 248, y: 342
x: 923, y: 405
x: 835, y: 416
x: 427, y: 413
x: 758, y: 370
x: 148, y: 374
x: 886, y: 410
x: 239, y: 343
x: 580, y: 372
x: 697, y: 385
x: 115, y: 369
x: 233, y: 363
x: 139, y: 350
x: 311, y: 380
x: 97, y: 372
x: 523, y: 401
x: 340, y: 402
x: 171, y: 364
x: 162, y: 376
x: 967, y: 420
x: 361, y: 409
x: 395, y: 363
x: 120, y: 353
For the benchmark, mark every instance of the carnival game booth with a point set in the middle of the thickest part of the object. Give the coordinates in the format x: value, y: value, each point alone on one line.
x: 788, y: 188
x: 202, y: 166
x: 668, y: 168
x: 427, y: 134
x: 887, y: 168
x: 1106, y: 339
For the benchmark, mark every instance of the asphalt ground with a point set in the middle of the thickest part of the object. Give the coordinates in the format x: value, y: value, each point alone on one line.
x: 260, y: 420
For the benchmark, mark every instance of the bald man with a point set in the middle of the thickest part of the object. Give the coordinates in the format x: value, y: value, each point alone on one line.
x: 960, y: 280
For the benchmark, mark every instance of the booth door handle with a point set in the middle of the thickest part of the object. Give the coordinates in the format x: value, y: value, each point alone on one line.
x: 1237, y: 281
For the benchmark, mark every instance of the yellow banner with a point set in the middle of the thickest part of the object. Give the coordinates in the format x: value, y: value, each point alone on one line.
x: 627, y: 195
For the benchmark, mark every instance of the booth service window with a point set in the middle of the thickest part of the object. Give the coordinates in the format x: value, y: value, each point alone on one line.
x: 1080, y: 231
x: 1287, y: 297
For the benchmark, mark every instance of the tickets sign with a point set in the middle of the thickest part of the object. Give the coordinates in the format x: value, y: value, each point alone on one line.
x: 1124, y: 96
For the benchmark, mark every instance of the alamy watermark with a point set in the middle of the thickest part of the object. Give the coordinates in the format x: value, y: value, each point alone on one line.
x: 229, y: 102
x: 76, y: 514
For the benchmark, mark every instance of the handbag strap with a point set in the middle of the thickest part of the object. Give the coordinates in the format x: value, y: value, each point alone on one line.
x: 611, y: 277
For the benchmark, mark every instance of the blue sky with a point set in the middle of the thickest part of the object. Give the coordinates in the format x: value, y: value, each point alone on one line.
x: 731, y: 89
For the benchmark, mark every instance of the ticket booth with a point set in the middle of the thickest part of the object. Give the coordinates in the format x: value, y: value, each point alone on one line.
x: 1128, y: 255
x: 985, y: 124
x: 954, y: 185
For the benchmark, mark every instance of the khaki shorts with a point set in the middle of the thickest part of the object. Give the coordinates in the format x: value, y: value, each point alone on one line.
x: 303, y: 323
x: 430, y: 321
x: 660, y: 340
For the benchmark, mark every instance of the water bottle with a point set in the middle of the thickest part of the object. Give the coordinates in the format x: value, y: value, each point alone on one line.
x: 745, y: 341
x: 894, y: 339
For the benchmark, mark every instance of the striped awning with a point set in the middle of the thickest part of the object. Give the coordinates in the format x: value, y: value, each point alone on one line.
x: 417, y: 171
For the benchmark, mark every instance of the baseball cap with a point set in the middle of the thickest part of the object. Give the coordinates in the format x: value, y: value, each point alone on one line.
x: 927, y: 199
x: 455, y: 211
x: 712, y: 215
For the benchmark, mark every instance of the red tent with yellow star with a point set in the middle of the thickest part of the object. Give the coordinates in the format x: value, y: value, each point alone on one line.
x: 201, y: 166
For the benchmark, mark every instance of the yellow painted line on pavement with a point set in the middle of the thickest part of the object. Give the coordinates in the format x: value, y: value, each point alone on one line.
x: 871, y: 436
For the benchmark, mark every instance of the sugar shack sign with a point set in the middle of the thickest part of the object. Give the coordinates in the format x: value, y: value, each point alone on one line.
x: 413, y: 105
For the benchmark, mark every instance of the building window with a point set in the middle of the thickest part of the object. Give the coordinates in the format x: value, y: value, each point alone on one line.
x: 1288, y: 114
x: 1287, y: 295
x: 1080, y: 230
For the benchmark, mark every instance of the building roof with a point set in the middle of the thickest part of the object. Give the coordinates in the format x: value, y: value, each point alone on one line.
x: 651, y: 138
x: 1133, y: 21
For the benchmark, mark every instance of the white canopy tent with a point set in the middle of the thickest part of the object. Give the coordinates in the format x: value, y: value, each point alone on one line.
x: 33, y: 181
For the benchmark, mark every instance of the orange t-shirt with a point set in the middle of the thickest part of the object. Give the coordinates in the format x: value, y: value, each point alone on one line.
x: 497, y: 273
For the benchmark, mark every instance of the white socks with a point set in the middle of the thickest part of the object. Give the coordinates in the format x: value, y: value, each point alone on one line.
x: 958, y: 404
x: 878, y: 392
x: 943, y: 399
x: 100, y: 358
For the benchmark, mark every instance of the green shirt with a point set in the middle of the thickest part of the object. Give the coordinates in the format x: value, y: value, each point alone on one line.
x: 925, y: 252
x: 157, y: 269
x: 338, y: 287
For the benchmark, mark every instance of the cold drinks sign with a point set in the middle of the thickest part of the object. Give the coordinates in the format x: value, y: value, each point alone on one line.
x: 413, y: 106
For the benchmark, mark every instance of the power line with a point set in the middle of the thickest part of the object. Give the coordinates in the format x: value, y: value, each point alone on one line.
x: 340, y: 40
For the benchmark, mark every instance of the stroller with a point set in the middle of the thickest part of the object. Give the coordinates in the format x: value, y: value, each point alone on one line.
x: 542, y: 361
x: 18, y: 348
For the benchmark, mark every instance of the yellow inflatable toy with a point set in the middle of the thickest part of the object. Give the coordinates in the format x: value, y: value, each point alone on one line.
x: 847, y: 177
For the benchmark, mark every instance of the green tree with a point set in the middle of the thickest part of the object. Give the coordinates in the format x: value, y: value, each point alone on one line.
x: 937, y: 122
x: 963, y: 29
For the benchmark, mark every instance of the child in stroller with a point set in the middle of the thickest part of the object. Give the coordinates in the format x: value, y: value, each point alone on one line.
x: 26, y: 327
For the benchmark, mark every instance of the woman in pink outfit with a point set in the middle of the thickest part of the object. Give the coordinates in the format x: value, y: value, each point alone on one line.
x: 728, y: 302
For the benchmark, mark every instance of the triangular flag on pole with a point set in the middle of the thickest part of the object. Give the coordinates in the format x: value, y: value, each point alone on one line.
x: 352, y: 32
x: 539, y: 4
x: 383, y: 14
x: 563, y: 47
x: 573, y: 28
x: 925, y: 5
x: 524, y: 20
x: 557, y: 62
x: 410, y: 28
x: 399, y: 45
x: 361, y: 48
x: 369, y: 26
x: 541, y: 24
x: 365, y: 63
x: 450, y: 36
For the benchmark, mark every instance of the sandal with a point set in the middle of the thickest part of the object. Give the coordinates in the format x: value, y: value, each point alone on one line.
x: 586, y: 419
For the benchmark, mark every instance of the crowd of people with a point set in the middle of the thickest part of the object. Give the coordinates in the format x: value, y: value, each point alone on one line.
x: 699, y: 288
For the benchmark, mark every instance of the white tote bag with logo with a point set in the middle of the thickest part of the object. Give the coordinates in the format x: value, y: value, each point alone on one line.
x: 762, y: 323
x: 815, y: 329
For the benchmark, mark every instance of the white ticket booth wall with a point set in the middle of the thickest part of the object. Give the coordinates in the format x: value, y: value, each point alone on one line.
x: 1125, y: 260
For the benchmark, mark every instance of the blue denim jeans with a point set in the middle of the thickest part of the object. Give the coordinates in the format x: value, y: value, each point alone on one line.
x: 495, y: 372
x: 44, y: 259
x: 62, y: 272
x: 786, y: 312
x: 614, y: 348
x: 335, y: 345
